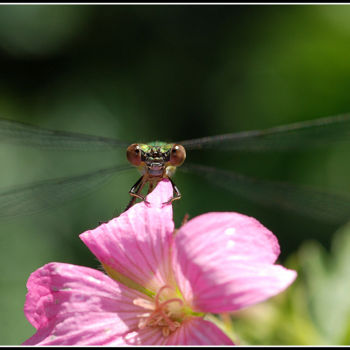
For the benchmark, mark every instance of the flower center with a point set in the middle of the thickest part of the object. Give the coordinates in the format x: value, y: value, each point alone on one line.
x: 166, y: 313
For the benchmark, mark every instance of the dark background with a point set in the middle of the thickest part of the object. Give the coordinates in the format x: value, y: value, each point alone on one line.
x: 144, y: 73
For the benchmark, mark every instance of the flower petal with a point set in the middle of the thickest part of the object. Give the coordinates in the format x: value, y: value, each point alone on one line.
x: 75, y: 305
x: 193, y: 332
x: 224, y: 261
x: 244, y: 237
x: 198, y: 332
x: 239, y: 286
x: 146, y: 336
x: 136, y: 244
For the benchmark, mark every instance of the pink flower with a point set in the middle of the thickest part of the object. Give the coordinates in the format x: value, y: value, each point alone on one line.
x: 160, y: 285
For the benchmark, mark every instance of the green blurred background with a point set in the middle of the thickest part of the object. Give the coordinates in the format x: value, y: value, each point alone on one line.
x: 143, y: 73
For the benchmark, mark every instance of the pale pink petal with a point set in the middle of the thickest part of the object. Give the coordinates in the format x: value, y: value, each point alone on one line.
x: 198, y: 332
x: 137, y: 243
x: 193, y: 332
x: 146, y: 336
x: 224, y: 262
x: 239, y: 286
x: 75, y: 305
x: 244, y: 237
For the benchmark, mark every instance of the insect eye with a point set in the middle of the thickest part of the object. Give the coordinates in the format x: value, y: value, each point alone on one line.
x: 177, y: 155
x: 133, y: 153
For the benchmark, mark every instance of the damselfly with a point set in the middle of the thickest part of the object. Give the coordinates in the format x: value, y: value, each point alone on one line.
x: 158, y: 160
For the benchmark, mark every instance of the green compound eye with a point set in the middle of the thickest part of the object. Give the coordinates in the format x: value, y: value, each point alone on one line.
x: 177, y: 155
x: 133, y: 154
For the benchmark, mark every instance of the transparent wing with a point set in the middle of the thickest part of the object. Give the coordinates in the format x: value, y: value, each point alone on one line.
x: 312, y: 133
x: 321, y: 205
x: 38, y: 196
x: 29, y: 135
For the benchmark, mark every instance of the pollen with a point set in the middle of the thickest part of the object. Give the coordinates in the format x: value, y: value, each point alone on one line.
x: 165, y: 312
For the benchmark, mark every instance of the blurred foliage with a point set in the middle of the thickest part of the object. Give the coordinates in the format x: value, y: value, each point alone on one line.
x: 315, y: 310
x: 142, y: 73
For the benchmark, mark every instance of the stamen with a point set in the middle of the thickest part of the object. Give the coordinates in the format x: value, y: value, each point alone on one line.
x: 161, y: 316
x: 169, y: 322
x: 146, y: 304
x: 146, y: 314
x: 165, y: 331
x: 143, y: 323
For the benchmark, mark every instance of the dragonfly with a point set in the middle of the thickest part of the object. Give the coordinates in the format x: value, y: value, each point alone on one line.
x: 159, y: 160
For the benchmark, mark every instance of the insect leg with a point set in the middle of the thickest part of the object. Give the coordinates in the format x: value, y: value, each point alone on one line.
x: 175, y: 191
x: 135, y: 192
x: 150, y: 187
